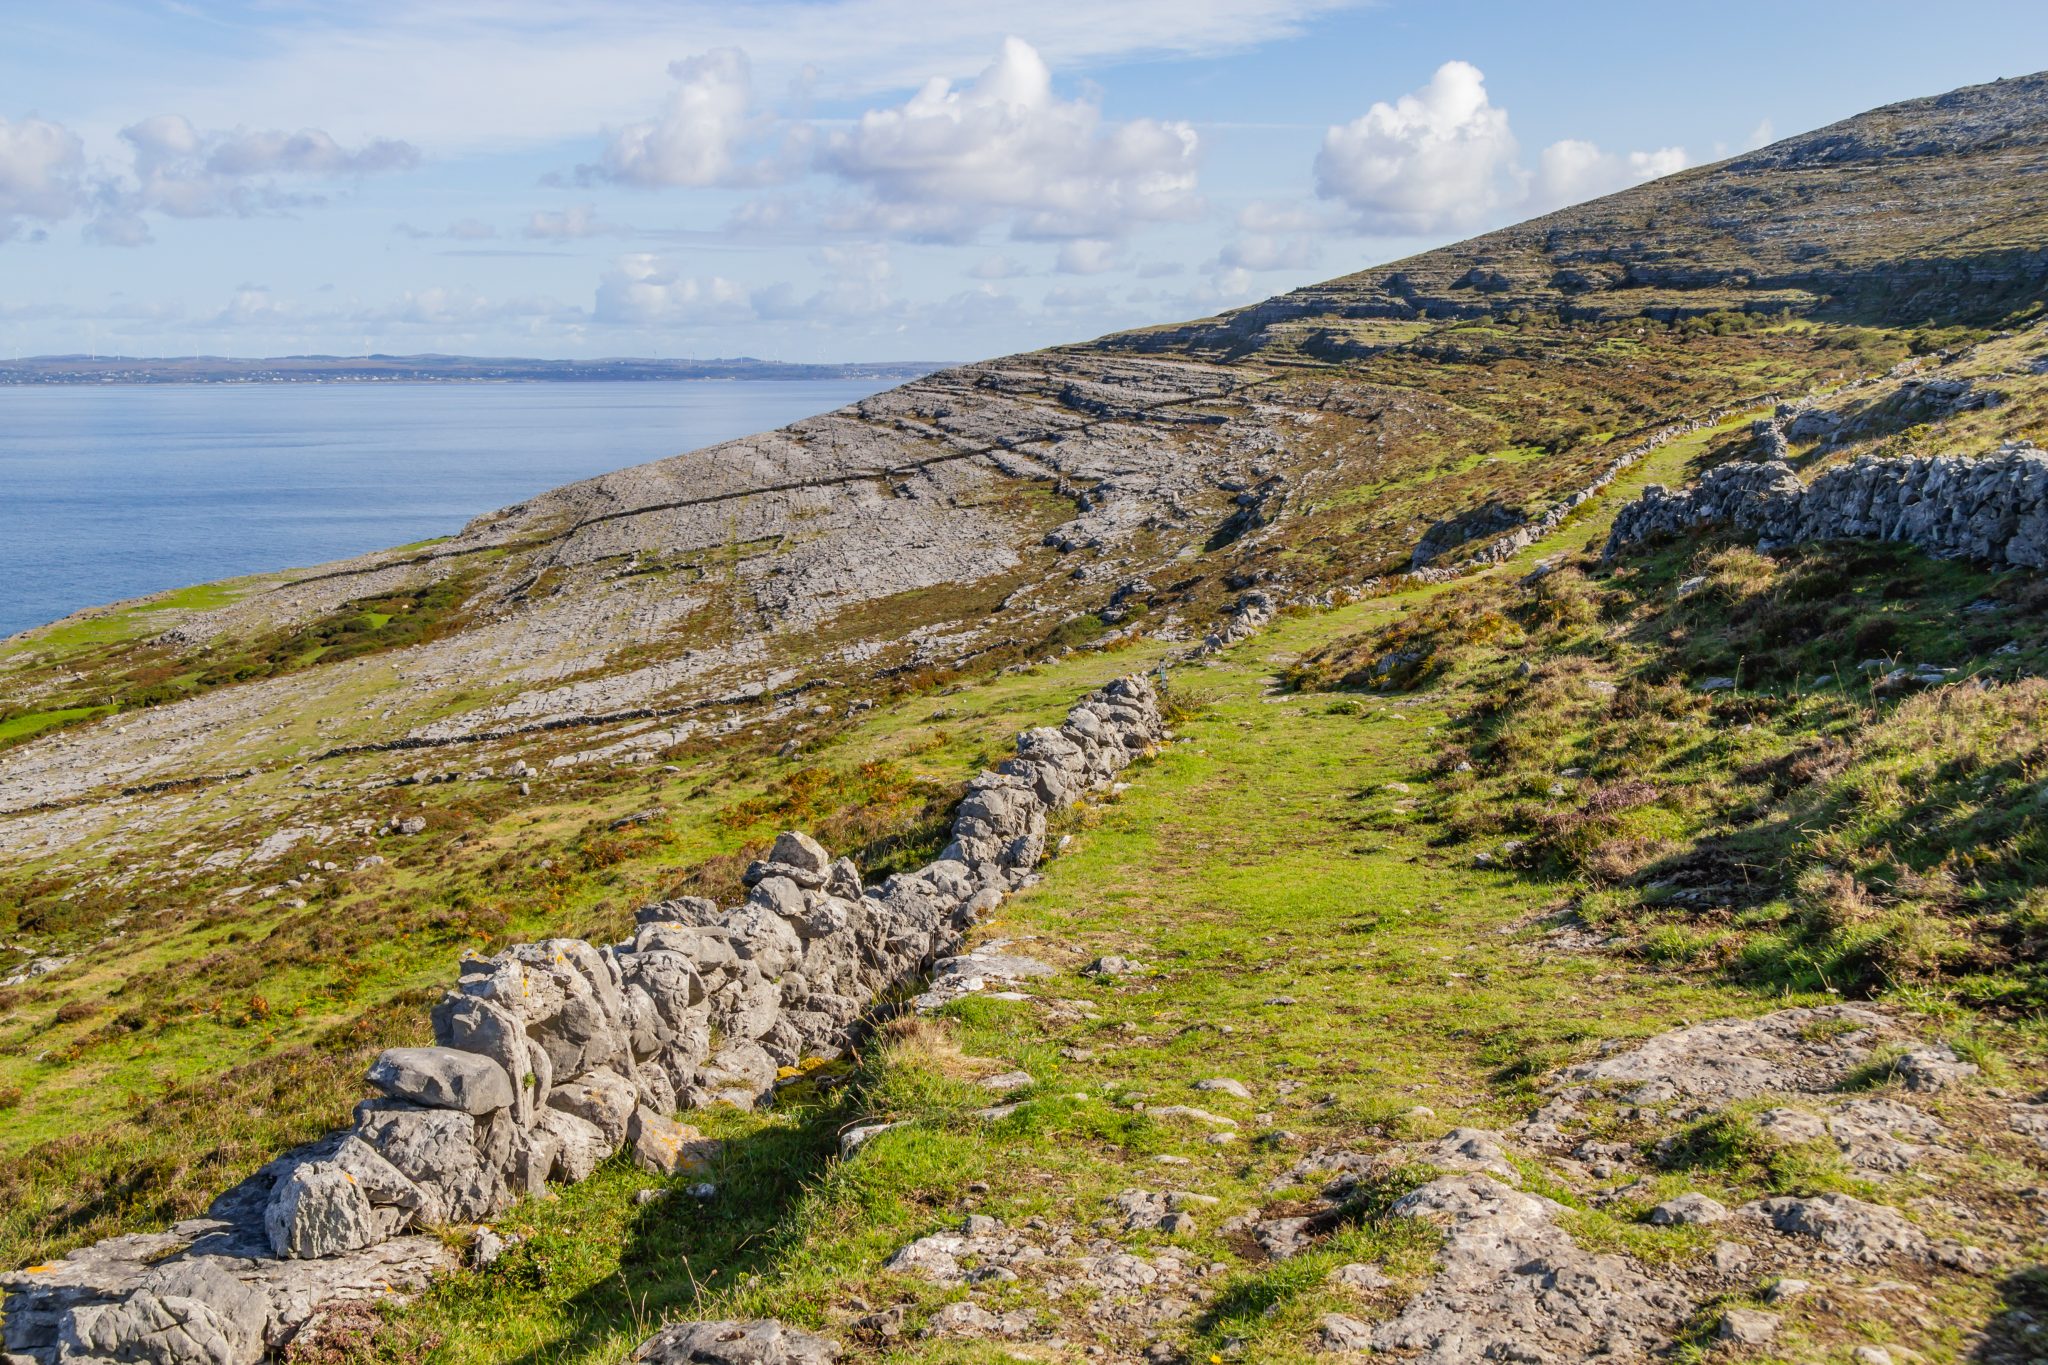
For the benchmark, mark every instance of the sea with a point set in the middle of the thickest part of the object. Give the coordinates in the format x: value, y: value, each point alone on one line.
x: 113, y: 491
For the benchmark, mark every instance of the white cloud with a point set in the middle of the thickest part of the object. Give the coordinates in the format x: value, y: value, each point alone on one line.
x: 701, y: 137
x: 252, y: 303
x: 1441, y: 157
x: 1067, y: 298
x: 306, y: 152
x: 1572, y: 170
x: 1271, y: 217
x: 471, y: 230
x: 1089, y: 256
x: 1444, y: 157
x: 40, y: 163
x: 949, y: 160
x: 996, y: 267
x: 178, y: 171
x: 642, y: 288
x: 552, y: 225
x: 442, y: 306
x: 1263, y: 251
x: 470, y: 76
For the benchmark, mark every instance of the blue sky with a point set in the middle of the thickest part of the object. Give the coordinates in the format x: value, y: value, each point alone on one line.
x: 847, y: 179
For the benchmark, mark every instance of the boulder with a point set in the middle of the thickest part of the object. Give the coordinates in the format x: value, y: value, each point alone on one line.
x: 194, y: 1315
x: 382, y: 1183
x: 1748, y: 1326
x: 473, y: 1025
x: 579, y: 1144
x: 443, y: 1078
x: 801, y: 851
x: 763, y: 1342
x: 436, y: 1150
x: 318, y: 1210
x: 1688, y: 1210
x: 603, y: 1098
x: 662, y: 1146
x: 738, y: 1074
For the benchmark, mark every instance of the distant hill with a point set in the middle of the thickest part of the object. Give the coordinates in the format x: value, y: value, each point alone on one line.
x: 424, y: 369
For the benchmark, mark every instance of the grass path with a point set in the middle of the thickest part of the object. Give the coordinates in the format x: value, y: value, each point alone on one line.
x: 1302, y: 933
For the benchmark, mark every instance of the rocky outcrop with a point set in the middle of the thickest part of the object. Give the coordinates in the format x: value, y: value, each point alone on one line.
x: 1991, y: 510
x: 550, y: 1057
x: 1511, y: 1278
x: 1252, y: 613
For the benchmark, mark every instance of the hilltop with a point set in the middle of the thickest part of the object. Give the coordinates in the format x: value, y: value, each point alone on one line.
x: 1464, y: 824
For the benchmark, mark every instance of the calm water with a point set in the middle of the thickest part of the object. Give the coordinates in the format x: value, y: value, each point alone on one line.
x: 112, y: 492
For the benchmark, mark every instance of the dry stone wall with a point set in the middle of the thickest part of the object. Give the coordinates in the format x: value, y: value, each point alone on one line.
x: 1445, y: 536
x: 1991, y: 510
x: 551, y: 1057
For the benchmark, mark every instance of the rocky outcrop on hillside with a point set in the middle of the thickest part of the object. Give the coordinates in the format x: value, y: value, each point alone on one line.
x: 551, y: 1057
x: 1991, y: 510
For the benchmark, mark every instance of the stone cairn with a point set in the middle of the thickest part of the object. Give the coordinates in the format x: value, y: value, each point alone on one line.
x: 550, y: 1057
x: 1991, y: 510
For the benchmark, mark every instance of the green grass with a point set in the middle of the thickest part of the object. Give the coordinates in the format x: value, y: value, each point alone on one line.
x: 17, y: 728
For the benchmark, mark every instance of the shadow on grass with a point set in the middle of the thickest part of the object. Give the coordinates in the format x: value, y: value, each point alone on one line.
x: 2014, y: 1334
x: 679, y: 1256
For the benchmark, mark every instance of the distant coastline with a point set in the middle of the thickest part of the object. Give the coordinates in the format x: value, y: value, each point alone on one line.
x: 427, y: 369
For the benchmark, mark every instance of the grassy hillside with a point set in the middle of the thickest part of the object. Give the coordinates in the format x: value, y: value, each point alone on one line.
x: 1418, y: 846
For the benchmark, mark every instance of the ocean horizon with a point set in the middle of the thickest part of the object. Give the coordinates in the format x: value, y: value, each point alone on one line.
x: 117, y: 491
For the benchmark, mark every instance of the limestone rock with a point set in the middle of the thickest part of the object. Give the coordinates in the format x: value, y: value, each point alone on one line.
x: 166, y: 1329
x: 1342, y: 1332
x: 762, y: 1342
x: 662, y: 1146
x: 795, y: 849
x: 1356, y: 1275
x: 1933, y: 1068
x: 581, y: 1146
x: 601, y: 1097
x: 1863, y: 1232
x: 442, y: 1078
x: 1688, y: 1210
x: 967, y: 1319
x: 470, y: 1024
x: 1513, y: 1285
x: 1747, y: 1326
x: 318, y: 1210
x: 1731, y: 1059
x: 436, y: 1150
